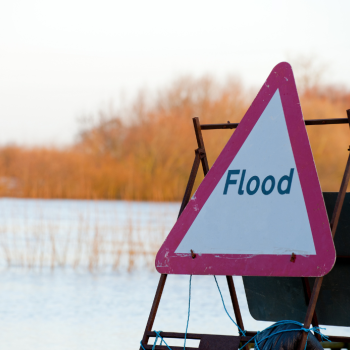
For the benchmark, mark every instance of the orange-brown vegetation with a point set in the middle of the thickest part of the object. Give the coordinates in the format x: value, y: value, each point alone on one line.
x: 146, y: 151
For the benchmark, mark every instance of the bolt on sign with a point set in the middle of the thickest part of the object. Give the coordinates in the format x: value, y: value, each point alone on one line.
x: 259, y: 211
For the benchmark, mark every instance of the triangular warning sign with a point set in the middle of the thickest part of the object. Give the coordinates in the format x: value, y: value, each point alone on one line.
x: 259, y: 211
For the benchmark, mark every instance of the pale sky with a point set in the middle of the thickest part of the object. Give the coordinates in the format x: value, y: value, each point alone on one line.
x: 60, y: 60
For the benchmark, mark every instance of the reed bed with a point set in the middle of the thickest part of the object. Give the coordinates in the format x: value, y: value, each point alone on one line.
x: 114, y: 240
x: 145, y: 151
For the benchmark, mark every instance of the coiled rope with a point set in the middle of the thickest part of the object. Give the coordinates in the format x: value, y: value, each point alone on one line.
x: 280, y: 323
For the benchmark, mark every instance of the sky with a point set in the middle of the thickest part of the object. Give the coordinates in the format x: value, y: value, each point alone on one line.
x: 62, y: 60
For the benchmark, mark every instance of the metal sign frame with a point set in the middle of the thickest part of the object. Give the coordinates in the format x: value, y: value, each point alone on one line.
x: 232, y: 342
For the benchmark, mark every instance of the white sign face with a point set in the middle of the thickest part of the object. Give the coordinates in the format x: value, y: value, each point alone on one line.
x: 259, y: 211
x: 253, y: 209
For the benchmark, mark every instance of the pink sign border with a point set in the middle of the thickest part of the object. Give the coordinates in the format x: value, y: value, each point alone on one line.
x: 168, y: 262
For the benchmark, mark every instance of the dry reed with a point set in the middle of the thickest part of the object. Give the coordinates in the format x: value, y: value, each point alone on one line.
x: 127, y: 241
x: 145, y: 152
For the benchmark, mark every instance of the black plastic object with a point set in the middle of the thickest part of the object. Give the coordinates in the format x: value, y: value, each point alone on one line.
x: 288, y: 340
x: 283, y: 298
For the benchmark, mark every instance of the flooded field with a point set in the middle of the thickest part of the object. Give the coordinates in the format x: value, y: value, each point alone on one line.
x: 80, y: 275
x: 93, y: 235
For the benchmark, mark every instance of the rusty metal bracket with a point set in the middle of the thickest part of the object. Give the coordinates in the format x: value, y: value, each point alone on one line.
x: 200, y: 142
x: 201, y: 153
x: 229, y: 125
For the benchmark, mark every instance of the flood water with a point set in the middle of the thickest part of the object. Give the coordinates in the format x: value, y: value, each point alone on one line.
x: 47, y: 305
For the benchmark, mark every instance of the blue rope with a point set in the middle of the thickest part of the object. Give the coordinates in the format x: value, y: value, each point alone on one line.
x: 155, y: 342
x: 189, y: 308
x: 162, y: 340
x: 158, y: 336
x: 223, y: 303
x: 313, y: 329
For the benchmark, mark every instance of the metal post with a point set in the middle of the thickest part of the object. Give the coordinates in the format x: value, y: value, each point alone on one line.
x: 199, y: 156
x: 334, y: 223
x: 235, y: 304
x: 191, y: 181
x: 234, y: 299
x: 307, y: 291
x: 154, y: 308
